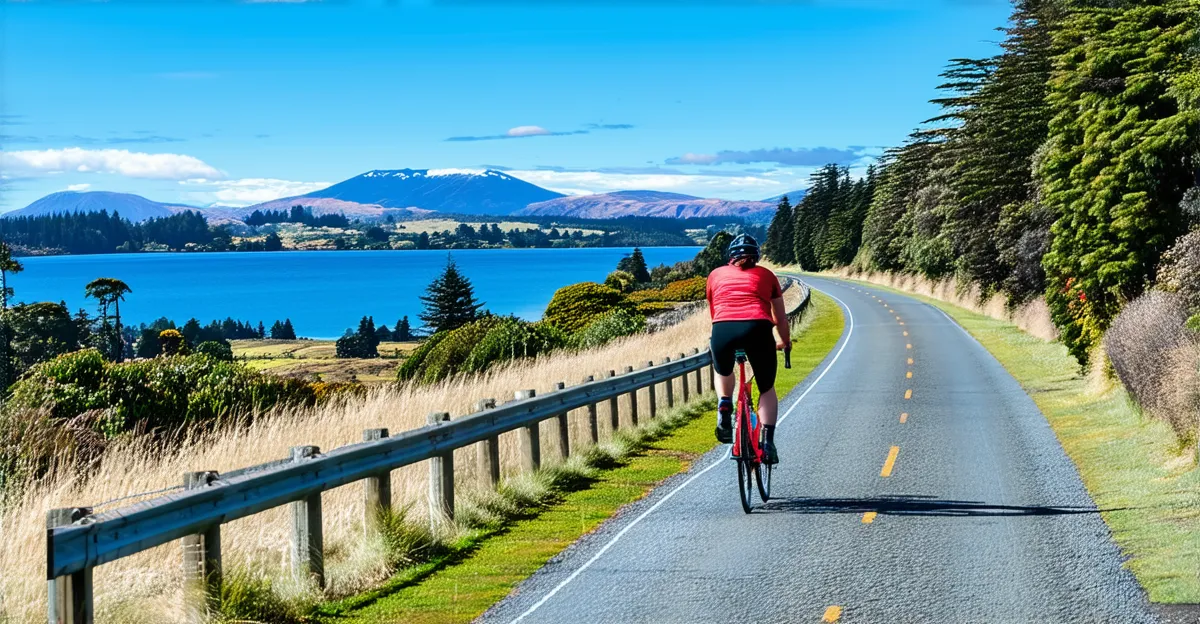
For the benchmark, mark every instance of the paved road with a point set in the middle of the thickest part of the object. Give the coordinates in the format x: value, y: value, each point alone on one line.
x: 982, y: 519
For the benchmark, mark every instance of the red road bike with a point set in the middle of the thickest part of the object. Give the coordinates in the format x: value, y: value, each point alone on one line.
x: 747, y: 451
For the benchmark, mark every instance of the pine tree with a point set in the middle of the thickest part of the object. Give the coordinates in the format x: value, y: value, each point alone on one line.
x: 1124, y: 151
x: 366, y: 329
x: 289, y: 332
x: 261, y: 332
x: 403, y: 331
x: 779, y: 246
x: 635, y: 265
x: 449, y: 300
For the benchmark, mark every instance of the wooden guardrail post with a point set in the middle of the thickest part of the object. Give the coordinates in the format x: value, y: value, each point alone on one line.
x: 202, y: 554
x: 592, y: 424
x: 564, y: 429
x: 377, y: 490
x: 441, y: 479
x: 683, y: 379
x: 529, y: 439
x: 633, y: 402
x: 614, y: 414
x: 670, y: 388
x: 308, y: 538
x: 699, y: 376
x: 653, y: 395
x: 487, y: 452
x: 71, y: 595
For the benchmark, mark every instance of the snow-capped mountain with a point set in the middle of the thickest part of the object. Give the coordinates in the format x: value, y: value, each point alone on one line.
x: 460, y: 191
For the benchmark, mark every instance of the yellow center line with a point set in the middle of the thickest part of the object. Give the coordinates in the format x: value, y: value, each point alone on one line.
x: 910, y: 361
x: 905, y: 334
x: 908, y: 346
x: 903, y: 418
x: 832, y: 614
x: 908, y: 394
x: 909, y: 375
x: 890, y: 463
x: 869, y: 517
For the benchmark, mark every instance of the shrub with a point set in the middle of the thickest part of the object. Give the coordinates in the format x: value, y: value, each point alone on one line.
x: 608, y: 327
x: 216, y: 349
x: 172, y: 342
x: 650, y: 308
x: 1179, y: 271
x: 691, y: 289
x: 648, y: 294
x: 67, y: 386
x: 412, y: 364
x: 512, y: 339
x: 451, y: 353
x: 1139, y: 341
x: 324, y: 391
x: 622, y: 281
x: 162, y: 392
x: 356, y: 346
x: 574, y: 307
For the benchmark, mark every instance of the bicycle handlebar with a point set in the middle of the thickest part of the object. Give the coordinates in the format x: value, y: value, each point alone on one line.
x: 787, y: 357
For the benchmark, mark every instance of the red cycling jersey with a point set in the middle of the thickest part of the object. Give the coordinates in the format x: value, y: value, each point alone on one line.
x: 736, y: 294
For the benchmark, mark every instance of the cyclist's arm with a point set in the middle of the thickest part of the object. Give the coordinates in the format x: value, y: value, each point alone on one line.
x: 781, y: 320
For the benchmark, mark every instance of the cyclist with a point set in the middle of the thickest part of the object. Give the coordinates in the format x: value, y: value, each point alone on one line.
x: 746, y: 302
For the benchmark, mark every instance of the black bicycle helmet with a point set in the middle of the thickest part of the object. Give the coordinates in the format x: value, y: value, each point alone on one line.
x: 744, y: 246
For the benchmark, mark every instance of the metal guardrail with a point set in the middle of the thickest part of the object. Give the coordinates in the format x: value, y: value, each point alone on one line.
x: 77, y: 540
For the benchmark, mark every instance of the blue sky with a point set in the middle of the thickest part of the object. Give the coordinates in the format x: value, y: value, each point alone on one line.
x: 231, y: 103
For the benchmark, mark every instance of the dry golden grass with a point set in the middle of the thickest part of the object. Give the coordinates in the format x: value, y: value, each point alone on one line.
x: 1033, y: 318
x: 146, y: 587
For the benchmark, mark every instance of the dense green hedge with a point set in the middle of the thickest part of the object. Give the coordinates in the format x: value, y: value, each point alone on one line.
x: 574, y: 307
x: 161, y: 392
x: 608, y: 327
x: 513, y: 339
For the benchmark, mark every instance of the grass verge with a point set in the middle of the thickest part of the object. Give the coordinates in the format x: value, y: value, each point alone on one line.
x: 1131, y: 464
x: 466, y: 578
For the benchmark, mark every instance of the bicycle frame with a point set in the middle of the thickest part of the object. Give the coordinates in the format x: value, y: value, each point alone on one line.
x: 747, y: 419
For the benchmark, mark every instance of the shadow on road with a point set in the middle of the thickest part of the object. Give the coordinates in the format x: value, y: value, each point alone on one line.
x: 914, y: 506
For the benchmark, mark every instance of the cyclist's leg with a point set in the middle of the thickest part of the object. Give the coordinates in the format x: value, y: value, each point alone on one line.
x: 760, y: 350
x: 723, y: 345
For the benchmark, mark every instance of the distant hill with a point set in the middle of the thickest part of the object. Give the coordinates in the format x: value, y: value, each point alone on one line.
x: 319, y: 206
x: 793, y: 197
x: 649, y: 204
x: 133, y: 207
x: 459, y: 191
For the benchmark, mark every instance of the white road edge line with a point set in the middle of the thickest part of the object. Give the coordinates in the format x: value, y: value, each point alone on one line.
x: 668, y: 496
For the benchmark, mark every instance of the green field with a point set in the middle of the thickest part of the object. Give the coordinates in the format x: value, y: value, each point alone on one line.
x: 308, y: 358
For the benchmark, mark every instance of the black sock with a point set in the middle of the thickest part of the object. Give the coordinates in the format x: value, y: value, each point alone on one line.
x: 725, y: 411
x: 769, y: 431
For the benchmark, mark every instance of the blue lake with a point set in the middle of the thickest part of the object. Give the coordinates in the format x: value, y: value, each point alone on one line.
x: 323, y: 292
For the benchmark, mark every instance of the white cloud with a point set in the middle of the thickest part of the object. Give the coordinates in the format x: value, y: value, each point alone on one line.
x: 748, y: 186
x: 696, y: 159
x: 524, y: 131
x: 247, y: 191
x: 78, y: 187
x: 114, y: 161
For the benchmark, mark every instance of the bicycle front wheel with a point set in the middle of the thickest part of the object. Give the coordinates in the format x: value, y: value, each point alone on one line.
x: 745, y: 468
x: 745, y: 484
x: 763, y: 476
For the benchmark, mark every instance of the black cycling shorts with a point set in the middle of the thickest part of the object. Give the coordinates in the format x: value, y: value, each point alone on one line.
x: 756, y: 338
